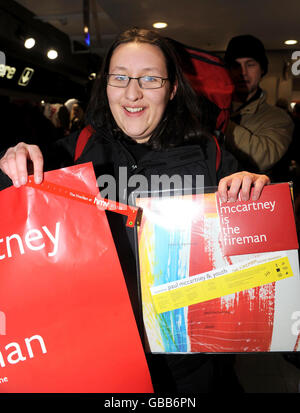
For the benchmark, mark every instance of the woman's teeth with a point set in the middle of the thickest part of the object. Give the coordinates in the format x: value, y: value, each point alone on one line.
x: 133, y: 110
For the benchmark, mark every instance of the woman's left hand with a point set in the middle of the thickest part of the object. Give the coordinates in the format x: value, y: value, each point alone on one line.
x: 242, y: 182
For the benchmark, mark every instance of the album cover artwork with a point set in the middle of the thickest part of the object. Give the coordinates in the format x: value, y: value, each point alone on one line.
x: 220, y: 277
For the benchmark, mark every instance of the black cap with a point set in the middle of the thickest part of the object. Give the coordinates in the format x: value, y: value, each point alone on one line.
x: 246, y: 46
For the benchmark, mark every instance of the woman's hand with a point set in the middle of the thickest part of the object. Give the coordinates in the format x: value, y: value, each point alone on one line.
x: 15, y: 163
x: 242, y: 182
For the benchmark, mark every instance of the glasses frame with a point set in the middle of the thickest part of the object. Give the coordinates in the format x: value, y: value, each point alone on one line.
x: 163, y: 80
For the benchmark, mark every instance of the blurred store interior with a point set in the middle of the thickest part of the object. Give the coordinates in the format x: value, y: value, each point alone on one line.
x: 81, y: 30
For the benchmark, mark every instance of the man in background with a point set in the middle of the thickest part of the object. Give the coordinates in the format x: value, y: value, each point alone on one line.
x: 258, y: 134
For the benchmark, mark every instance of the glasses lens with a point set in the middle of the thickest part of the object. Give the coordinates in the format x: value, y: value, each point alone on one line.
x: 150, y: 82
x: 145, y: 82
x: 117, y: 80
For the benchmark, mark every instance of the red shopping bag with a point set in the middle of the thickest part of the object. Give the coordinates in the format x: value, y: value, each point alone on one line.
x: 66, y: 322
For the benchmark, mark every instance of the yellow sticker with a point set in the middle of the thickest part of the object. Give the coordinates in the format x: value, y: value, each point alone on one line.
x: 200, y: 288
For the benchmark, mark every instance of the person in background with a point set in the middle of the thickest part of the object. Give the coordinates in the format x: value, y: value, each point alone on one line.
x: 58, y: 114
x: 76, y: 111
x: 145, y: 118
x: 69, y: 103
x: 258, y: 134
x: 76, y: 117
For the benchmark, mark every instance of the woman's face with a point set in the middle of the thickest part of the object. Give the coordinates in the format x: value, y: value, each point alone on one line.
x: 138, y: 111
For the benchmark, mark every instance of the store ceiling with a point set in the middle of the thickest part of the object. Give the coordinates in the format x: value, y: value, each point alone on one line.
x: 206, y: 24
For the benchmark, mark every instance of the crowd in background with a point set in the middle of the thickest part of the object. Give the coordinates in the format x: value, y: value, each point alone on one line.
x: 36, y: 123
x: 22, y: 120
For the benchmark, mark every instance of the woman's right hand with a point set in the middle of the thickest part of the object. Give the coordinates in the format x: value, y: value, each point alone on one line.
x: 17, y: 163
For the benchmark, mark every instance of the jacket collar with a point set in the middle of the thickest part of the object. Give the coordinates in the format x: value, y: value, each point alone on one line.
x: 181, y: 153
x: 252, y: 105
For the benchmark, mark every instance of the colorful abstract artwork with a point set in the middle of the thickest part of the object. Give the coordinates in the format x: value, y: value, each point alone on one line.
x: 180, y: 239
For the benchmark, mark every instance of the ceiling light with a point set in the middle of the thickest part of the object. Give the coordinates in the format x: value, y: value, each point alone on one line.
x: 52, y: 54
x: 29, y: 43
x: 289, y: 42
x: 160, y: 25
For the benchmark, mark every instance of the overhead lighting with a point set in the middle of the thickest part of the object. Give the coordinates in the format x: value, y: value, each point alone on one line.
x: 160, y: 25
x: 290, y: 42
x: 29, y: 43
x: 87, y: 38
x: 52, y: 54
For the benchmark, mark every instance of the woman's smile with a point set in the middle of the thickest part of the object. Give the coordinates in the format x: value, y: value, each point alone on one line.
x: 134, y: 110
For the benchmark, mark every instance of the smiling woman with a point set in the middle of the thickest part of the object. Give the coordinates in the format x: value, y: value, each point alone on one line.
x: 146, y: 122
x: 138, y: 110
x: 142, y: 53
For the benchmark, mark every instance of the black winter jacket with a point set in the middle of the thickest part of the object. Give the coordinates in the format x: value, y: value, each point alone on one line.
x: 108, y: 154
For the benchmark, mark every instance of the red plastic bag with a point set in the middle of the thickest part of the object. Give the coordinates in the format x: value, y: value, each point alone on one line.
x: 66, y: 320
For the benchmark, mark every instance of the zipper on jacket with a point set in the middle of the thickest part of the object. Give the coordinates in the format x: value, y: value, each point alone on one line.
x: 132, y: 161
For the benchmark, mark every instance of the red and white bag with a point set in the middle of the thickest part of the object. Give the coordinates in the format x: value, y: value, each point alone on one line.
x: 66, y: 322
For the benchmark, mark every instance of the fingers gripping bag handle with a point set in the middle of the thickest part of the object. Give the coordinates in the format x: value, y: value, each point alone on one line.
x: 65, y: 316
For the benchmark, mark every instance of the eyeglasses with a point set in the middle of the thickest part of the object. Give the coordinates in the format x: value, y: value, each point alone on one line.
x: 145, y: 82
